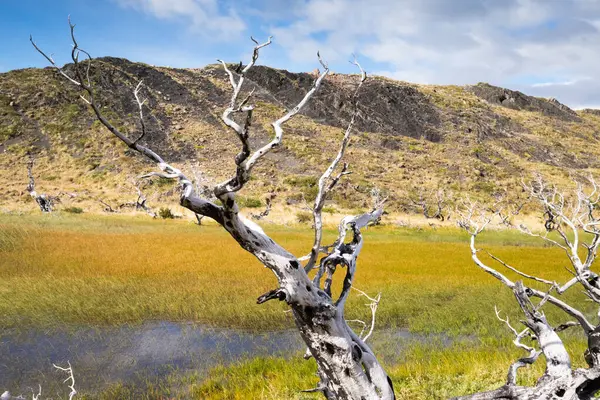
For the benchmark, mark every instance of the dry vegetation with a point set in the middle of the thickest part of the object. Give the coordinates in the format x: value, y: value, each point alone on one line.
x: 483, y: 148
x: 81, y: 270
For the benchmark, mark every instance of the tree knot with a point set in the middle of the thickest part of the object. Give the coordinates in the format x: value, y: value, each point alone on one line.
x: 278, y: 293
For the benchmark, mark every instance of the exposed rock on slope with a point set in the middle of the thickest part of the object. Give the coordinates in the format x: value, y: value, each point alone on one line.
x: 400, y: 110
x: 519, y: 101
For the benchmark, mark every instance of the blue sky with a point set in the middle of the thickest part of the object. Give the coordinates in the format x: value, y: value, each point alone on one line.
x: 549, y: 48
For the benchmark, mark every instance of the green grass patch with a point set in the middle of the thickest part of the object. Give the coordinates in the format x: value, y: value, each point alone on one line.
x: 249, y: 202
x: 423, y: 372
x: 84, y: 269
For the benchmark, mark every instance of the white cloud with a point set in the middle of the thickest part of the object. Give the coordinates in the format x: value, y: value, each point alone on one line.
x: 551, y: 84
x: 548, y: 47
x: 202, y: 16
x: 533, y: 42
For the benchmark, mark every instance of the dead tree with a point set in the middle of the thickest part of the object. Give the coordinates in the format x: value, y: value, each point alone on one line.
x: 107, y: 207
x: 46, y: 203
x: 140, y: 202
x: 434, y: 206
x: 267, y: 210
x: 347, y: 367
x: 575, y: 224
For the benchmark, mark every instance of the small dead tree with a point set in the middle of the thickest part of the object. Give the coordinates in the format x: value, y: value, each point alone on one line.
x: 572, y: 223
x: 434, y: 206
x: 347, y: 367
x: 107, y: 207
x: 269, y: 204
x: 46, y: 203
x: 140, y: 202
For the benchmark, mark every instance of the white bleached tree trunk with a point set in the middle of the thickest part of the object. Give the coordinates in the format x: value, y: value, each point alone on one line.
x: 572, y: 223
x: 347, y: 367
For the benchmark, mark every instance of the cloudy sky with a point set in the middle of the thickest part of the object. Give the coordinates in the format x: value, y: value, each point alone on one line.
x: 548, y: 48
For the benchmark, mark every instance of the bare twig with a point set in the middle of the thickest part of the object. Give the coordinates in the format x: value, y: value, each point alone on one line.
x: 70, y: 378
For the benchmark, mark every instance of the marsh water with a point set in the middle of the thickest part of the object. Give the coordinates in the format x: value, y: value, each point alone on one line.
x: 137, y: 354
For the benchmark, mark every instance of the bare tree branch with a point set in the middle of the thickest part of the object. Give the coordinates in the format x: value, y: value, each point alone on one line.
x: 547, y: 282
x: 374, y: 303
x: 564, y: 215
x: 346, y: 365
x: 511, y: 378
x: 70, y: 378
x: 477, y: 227
x: 326, y: 183
x: 36, y: 396
x: 82, y: 80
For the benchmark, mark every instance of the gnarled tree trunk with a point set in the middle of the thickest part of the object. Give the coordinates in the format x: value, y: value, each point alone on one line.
x: 568, y: 216
x: 347, y: 366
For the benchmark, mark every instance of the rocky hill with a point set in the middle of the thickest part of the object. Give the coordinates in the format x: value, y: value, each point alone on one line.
x: 477, y: 139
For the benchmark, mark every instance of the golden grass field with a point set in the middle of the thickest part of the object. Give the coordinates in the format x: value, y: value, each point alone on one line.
x: 73, y: 270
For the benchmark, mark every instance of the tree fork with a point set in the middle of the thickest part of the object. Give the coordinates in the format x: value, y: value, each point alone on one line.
x: 346, y: 365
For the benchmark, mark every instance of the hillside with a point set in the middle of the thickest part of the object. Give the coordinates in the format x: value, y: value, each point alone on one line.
x: 478, y: 139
